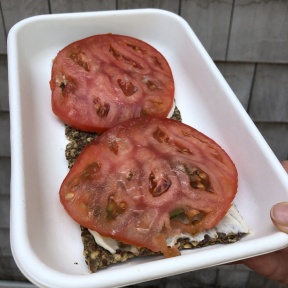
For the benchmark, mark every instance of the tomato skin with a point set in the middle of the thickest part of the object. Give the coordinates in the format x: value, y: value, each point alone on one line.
x: 105, y: 79
x: 126, y: 183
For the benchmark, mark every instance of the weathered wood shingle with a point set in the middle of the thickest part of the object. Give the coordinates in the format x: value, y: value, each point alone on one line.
x: 4, y: 100
x: 270, y: 93
x: 259, y: 31
x: 240, y: 78
x: 5, y: 174
x: 170, y: 5
x: 16, y: 10
x: 3, y: 42
x: 210, y: 20
x: 4, y: 134
x: 66, y: 6
x: 276, y: 135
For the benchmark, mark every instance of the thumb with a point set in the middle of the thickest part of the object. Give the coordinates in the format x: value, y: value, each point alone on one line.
x: 279, y: 212
x: 285, y: 165
x: 279, y: 216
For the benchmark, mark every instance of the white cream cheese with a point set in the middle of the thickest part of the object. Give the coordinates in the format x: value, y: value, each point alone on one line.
x: 232, y: 223
x: 172, y: 110
x: 105, y: 242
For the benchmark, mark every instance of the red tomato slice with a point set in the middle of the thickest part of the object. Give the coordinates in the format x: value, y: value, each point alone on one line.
x: 102, y: 80
x: 132, y: 180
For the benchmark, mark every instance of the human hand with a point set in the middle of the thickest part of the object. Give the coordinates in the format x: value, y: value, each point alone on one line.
x: 279, y: 212
x: 274, y: 265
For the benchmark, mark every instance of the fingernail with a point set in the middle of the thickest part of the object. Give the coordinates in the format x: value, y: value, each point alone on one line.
x: 279, y: 213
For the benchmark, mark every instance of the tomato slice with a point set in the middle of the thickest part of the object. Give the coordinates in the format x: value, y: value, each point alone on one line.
x: 105, y: 79
x: 148, y: 179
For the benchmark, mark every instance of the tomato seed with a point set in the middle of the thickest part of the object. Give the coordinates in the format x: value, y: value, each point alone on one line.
x: 157, y: 62
x: 69, y: 196
x: 160, y: 136
x: 158, y: 184
x: 113, y: 146
x: 135, y: 47
x: 115, y: 53
x: 198, y: 178
x: 102, y: 109
x: 114, y: 209
x: 62, y: 86
x: 79, y: 58
x: 130, y: 175
x: 151, y: 85
x: 127, y: 87
x: 132, y: 62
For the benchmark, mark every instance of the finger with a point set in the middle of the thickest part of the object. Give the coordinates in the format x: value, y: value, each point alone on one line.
x: 285, y: 165
x: 279, y: 216
x: 279, y: 212
x: 272, y: 265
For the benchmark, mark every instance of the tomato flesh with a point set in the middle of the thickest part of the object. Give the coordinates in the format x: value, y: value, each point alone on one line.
x: 105, y: 79
x: 132, y: 182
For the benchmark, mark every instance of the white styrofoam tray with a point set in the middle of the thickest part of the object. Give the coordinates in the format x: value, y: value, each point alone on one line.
x: 45, y: 241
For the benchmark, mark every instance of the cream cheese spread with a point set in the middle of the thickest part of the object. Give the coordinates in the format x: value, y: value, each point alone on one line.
x: 232, y: 223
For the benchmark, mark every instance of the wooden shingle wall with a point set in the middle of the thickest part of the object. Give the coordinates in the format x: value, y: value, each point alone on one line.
x: 248, y: 40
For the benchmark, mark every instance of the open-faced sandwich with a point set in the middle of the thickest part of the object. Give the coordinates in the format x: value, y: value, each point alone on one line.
x: 146, y: 184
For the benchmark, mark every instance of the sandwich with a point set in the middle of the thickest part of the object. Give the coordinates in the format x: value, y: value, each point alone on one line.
x: 140, y: 183
x: 202, y: 214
